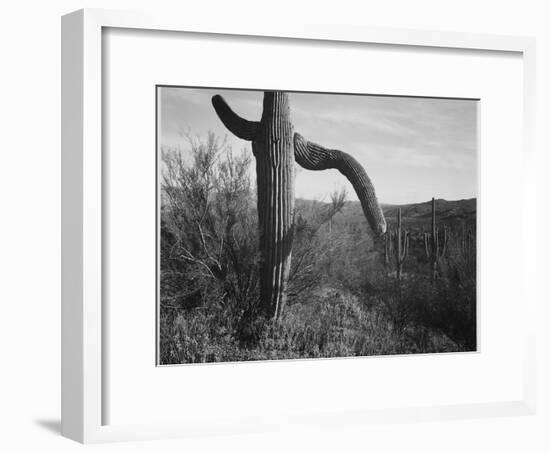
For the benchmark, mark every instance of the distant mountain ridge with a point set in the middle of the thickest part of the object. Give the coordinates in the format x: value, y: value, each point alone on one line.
x: 445, y: 210
x: 416, y: 213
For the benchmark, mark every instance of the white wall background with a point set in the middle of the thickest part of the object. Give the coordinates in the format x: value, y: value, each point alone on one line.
x: 30, y: 220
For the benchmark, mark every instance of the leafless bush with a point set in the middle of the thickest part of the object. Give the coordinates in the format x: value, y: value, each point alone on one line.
x: 209, y: 226
x: 312, y: 244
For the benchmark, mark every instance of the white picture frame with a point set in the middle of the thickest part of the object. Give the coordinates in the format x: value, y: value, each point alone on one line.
x: 83, y: 347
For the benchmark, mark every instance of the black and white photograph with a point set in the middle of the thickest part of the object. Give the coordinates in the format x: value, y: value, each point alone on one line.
x: 297, y: 225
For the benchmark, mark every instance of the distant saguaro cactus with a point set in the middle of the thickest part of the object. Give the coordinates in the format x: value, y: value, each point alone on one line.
x: 402, y: 245
x: 276, y: 148
x: 467, y: 241
x: 434, y: 249
x: 388, y: 249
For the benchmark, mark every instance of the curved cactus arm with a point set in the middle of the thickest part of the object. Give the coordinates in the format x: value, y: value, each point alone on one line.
x: 311, y: 156
x: 247, y: 130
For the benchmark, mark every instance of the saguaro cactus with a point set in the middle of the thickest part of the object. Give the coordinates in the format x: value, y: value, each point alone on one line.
x: 276, y: 147
x: 434, y: 249
x: 388, y: 249
x: 467, y: 241
x: 401, y: 245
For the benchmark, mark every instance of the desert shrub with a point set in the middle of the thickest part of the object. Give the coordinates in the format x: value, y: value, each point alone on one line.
x: 208, y: 210
x: 314, y: 244
x: 208, y: 239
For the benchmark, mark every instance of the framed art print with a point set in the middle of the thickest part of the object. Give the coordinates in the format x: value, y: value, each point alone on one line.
x: 256, y: 239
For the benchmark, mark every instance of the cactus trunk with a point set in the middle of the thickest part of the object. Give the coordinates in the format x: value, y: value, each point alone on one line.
x: 275, y: 178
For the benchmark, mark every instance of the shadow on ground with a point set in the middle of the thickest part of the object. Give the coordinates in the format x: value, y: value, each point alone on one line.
x: 51, y: 425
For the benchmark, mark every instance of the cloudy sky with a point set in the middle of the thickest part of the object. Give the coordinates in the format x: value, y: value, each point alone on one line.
x: 413, y: 149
